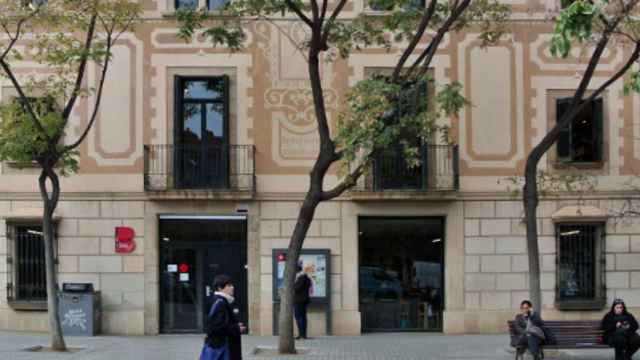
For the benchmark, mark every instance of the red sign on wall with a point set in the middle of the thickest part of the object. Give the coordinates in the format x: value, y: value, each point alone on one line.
x: 124, y: 239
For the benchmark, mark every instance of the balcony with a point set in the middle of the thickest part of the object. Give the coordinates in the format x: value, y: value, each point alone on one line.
x: 199, y: 171
x: 437, y: 177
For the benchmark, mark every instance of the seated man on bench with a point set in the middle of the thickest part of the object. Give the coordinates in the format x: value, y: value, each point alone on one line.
x: 529, y: 330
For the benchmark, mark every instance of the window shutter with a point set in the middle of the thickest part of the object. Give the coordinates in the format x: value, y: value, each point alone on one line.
x: 421, y: 96
x: 598, y: 128
x: 225, y: 85
x: 563, y: 145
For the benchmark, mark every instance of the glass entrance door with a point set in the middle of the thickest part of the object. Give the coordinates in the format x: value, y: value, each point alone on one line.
x: 192, y: 252
x: 181, y: 293
x: 401, y: 273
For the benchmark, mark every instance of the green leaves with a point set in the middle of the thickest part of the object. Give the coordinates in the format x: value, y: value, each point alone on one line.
x: 380, y: 114
x: 62, y: 49
x: 20, y: 140
x: 633, y: 84
x: 451, y: 100
x: 190, y: 20
x: 574, y: 23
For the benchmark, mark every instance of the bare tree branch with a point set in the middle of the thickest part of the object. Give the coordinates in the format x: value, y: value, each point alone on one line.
x: 426, y: 18
x: 81, y: 70
x: 348, y: 182
x: 332, y: 19
x: 16, y: 37
x: 632, y: 59
x: 315, y: 11
x: 435, y: 43
x: 96, y: 106
x: 323, y: 12
x: 293, y: 7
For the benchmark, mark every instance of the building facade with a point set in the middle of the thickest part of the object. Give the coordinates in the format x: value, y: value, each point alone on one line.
x: 204, y: 153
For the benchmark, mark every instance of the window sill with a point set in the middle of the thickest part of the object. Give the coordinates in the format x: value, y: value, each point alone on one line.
x: 372, y: 12
x: 216, y: 14
x: 578, y: 165
x: 22, y: 165
x: 26, y: 305
x: 570, y: 305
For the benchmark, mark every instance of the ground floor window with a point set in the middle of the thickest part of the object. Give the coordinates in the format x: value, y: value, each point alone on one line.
x: 26, y: 283
x: 580, y: 274
x: 401, y: 273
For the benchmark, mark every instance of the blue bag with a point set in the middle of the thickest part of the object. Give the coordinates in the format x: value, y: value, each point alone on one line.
x: 218, y: 353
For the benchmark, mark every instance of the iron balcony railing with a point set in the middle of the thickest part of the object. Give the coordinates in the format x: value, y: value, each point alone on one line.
x: 206, y: 167
x: 438, y: 170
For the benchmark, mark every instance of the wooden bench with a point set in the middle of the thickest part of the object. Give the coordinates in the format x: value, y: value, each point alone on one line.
x: 568, y: 335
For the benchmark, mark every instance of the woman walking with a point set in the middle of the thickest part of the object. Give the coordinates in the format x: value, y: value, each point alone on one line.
x: 620, y: 328
x: 223, y: 341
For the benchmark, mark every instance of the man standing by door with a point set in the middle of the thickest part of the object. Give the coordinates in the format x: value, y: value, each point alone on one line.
x: 301, y: 301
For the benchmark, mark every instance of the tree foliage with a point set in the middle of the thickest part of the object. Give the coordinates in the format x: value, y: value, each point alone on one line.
x: 62, y: 36
x: 377, y: 112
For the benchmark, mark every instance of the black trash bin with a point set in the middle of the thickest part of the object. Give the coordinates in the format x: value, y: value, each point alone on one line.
x: 79, y: 309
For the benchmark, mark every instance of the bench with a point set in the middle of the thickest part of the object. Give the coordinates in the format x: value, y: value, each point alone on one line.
x: 583, y: 334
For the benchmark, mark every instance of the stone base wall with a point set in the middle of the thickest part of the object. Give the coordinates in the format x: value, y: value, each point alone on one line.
x: 86, y: 253
x: 486, y: 267
x: 497, y: 268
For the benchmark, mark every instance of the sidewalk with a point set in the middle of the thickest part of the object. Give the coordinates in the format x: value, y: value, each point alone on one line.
x: 367, y: 347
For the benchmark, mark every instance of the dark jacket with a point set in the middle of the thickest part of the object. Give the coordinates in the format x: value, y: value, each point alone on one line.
x: 223, y: 326
x: 301, y: 289
x: 520, y: 328
x: 610, y: 320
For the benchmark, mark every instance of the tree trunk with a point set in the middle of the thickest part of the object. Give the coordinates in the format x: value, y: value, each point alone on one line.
x: 286, y: 343
x: 56, y: 338
x: 530, y: 197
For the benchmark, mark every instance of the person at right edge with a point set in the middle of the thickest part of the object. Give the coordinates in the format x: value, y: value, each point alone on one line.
x: 301, y: 301
x: 620, y: 328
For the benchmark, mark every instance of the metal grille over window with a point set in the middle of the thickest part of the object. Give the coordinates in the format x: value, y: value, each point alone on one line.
x: 26, y: 266
x: 580, y: 263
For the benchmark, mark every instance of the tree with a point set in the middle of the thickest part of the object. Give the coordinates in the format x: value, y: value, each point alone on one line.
x: 378, y: 112
x: 64, y: 36
x: 595, y: 25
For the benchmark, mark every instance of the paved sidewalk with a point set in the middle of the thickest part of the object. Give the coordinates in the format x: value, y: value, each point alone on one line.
x: 368, y: 347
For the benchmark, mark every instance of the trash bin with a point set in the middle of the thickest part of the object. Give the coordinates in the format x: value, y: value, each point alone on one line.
x: 79, y: 309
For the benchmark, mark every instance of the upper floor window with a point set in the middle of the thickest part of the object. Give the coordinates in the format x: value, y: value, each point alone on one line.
x: 201, y: 143
x: 187, y: 4
x: 386, y: 5
x: 35, y: 3
x: 582, y: 140
x: 194, y: 4
x: 391, y: 168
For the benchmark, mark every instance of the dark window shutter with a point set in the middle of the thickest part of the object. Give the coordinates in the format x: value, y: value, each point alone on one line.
x: 564, y: 140
x: 598, y: 128
x: 225, y: 85
x: 421, y: 96
x: 178, y: 93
